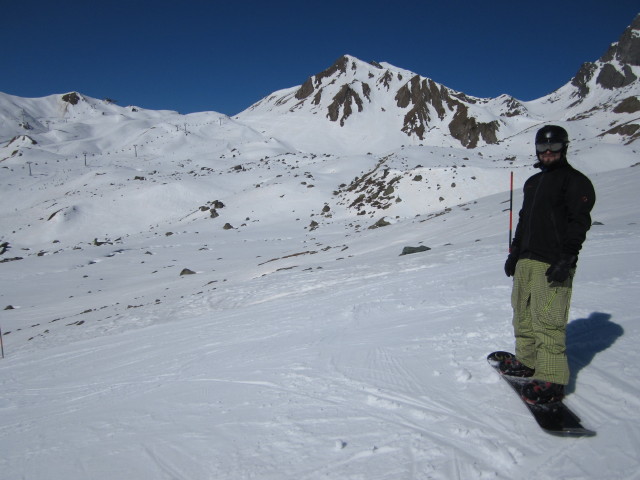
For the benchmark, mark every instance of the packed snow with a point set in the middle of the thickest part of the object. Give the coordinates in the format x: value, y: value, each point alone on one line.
x: 210, y: 305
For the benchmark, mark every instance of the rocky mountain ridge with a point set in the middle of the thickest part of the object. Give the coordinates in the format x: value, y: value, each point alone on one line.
x: 421, y: 108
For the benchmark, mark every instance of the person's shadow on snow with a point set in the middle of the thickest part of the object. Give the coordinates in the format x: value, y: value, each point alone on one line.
x: 585, y: 338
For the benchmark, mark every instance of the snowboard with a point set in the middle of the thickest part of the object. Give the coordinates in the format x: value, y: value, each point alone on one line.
x: 554, y: 418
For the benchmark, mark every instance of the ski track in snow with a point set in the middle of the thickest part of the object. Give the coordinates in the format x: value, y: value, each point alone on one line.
x: 310, y: 374
x: 355, y: 389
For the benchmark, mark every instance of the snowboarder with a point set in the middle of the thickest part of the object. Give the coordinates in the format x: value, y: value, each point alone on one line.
x: 551, y: 228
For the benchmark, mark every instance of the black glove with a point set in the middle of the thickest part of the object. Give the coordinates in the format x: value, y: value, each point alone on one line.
x: 510, y: 264
x: 560, y: 269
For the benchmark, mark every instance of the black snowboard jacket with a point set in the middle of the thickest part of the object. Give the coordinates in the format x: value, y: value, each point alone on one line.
x: 555, y: 214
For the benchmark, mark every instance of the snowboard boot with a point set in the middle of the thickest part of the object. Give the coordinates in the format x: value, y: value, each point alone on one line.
x: 539, y: 392
x: 513, y: 368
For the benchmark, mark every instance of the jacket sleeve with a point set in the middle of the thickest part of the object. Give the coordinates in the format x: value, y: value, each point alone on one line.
x: 515, y: 241
x: 580, y: 199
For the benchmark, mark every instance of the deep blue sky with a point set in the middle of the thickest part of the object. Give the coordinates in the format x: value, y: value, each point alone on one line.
x: 196, y: 55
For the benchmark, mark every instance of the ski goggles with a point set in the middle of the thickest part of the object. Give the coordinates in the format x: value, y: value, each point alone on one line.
x: 554, y: 147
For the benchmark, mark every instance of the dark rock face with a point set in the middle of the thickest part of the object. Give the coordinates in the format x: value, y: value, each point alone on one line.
x: 420, y: 94
x: 582, y: 78
x: 611, y: 78
x: 628, y: 105
x: 630, y: 131
x: 343, y: 101
x: 412, y: 250
x: 305, y: 90
x: 615, y: 65
x: 468, y: 130
x: 308, y: 87
x: 627, y: 49
x: 513, y: 108
x: 73, y: 98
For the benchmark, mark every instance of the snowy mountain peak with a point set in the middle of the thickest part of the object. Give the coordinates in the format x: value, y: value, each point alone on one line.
x: 616, y: 69
x: 627, y: 49
x: 378, y: 98
x: 607, y: 85
x: 356, y: 104
x: 351, y: 75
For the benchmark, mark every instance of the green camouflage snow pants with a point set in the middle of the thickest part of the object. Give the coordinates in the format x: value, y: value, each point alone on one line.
x: 540, y: 316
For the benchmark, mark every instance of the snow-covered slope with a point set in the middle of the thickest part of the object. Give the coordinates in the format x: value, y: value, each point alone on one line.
x: 195, y: 296
x: 298, y: 354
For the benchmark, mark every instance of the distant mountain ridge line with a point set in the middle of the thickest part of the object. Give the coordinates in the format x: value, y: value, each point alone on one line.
x: 357, y: 107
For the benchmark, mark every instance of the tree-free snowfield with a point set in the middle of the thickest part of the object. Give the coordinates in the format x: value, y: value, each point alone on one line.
x: 211, y: 305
